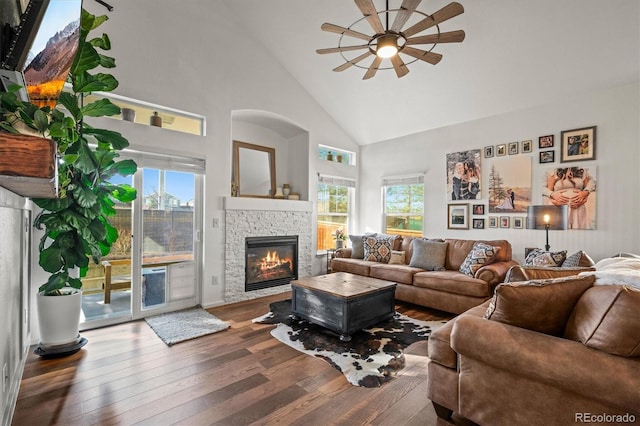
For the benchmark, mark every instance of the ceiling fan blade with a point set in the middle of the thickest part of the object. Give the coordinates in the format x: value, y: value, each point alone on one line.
x: 353, y: 62
x: 342, y: 30
x: 447, y: 12
x: 406, y: 9
x: 399, y: 66
x: 341, y: 49
x: 448, y: 37
x: 423, y: 55
x: 371, y: 13
x: 372, y: 68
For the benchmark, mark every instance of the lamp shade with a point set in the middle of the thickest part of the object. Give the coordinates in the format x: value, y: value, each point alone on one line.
x: 557, y: 217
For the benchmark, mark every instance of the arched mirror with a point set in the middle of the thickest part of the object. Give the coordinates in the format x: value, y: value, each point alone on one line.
x: 254, y: 170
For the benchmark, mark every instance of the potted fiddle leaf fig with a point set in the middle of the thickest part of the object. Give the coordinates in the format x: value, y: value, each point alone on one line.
x: 76, y: 224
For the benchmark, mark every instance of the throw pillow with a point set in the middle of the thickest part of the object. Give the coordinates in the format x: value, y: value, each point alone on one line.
x: 397, y: 257
x: 480, y: 255
x: 357, y: 246
x: 577, y: 259
x: 539, y: 257
x: 606, y: 318
x: 428, y: 255
x: 377, y: 249
x: 539, y: 305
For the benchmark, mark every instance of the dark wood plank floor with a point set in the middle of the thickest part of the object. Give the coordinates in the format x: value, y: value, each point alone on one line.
x: 126, y: 375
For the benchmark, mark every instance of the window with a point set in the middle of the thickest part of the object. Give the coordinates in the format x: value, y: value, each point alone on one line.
x: 404, y: 205
x: 335, y: 155
x: 334, y: 205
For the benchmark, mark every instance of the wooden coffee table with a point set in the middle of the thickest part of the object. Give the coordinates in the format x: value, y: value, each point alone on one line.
x: 343, y: 302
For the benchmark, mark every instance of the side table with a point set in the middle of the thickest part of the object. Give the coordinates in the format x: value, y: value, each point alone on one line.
x: 330, y: 255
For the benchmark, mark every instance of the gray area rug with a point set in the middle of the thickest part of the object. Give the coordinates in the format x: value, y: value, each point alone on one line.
x: 176, y: 327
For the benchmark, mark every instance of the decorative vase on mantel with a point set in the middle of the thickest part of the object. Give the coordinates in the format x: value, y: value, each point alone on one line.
x: 286, y: 190
x: 155, y: 120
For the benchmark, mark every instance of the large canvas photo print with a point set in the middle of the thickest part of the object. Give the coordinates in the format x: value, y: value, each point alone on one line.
x: 464, y: 175
x: 510, y: 185
x: 576, y: 188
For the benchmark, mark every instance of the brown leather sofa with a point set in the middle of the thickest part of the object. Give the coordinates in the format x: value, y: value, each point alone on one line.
x: 447, y: 290
x: 500, y: 363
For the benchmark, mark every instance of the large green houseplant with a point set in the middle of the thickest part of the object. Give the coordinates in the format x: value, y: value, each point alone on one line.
x: 76, y: 225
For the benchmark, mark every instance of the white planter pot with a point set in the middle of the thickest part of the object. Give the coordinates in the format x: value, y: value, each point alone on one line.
x: 59, y: 318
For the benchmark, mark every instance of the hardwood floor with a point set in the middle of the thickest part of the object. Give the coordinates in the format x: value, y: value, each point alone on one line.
x: 126, y: 375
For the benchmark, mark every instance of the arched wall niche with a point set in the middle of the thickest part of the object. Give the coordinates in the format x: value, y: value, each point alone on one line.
x: 290, y: 141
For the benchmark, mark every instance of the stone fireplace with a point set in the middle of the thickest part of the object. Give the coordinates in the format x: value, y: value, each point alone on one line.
x: 260, y: 218
x: 270, y: 261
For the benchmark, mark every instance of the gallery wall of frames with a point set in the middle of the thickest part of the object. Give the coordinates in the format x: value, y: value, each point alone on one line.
x: 501, y: 199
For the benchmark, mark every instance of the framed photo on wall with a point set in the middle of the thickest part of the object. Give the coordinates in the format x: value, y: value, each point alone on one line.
x: 545, y: 142
x: 578, y: 144
x: 488, y: 151
x: 505, y: 222
x: 478, y: 223
x: 501, y: 149
x: 517, y: 222
x: 493, y: 221
x: 478, y: 209
x: 527, y: 146
x: 513, y: 148
x: 547, y: 156
x: 458, y: 216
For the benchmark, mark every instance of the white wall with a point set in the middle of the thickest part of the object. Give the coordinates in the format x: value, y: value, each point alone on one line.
x: 193, y: 56
x: 614, y: 111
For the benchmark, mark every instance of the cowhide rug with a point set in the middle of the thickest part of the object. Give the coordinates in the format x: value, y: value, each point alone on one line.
x: 372, y: 357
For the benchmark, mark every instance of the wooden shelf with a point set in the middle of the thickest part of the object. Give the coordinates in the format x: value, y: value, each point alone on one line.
x: 28, y: 165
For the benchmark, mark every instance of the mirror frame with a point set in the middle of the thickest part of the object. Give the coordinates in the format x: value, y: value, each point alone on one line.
x: 235, y: 178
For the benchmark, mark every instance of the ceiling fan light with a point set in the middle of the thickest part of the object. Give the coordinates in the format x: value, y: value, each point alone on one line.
x: 387, y: 46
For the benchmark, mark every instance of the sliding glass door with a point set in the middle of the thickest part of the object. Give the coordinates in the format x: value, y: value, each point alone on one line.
x: 152, y: 267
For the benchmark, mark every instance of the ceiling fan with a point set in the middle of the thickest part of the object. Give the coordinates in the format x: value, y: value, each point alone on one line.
x: 391, y: 41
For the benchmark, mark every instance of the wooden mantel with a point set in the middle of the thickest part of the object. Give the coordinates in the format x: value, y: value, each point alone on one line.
x: 28, y: 165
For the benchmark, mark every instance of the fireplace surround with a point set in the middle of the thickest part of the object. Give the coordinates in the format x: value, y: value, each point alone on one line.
x: 270, y: 261
x: 258, y: 217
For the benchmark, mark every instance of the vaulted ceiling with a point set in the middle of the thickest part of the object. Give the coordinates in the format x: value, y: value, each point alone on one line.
x: 516, y: 54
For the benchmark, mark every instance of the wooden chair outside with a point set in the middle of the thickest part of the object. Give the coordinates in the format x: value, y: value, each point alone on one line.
x: 115, y: 282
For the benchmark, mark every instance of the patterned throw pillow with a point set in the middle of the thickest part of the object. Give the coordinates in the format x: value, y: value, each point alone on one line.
x: 480, y: 255
x: 577, y: 259
x: 377, y: 249
x: 539, y: 257
x: 397, y: 257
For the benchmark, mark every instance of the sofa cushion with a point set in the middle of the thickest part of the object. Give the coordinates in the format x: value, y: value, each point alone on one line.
x: 606, y: 318
x: 526, y: 273
x: 481, y: 254
x: 539, y: 305
x: 577, y: 259
x: 397, y: 257
x: 353, y: 266
x: 539, y: 257
x: 357, y: 245
x: 377, y: 248
x: 453, y: 282
x: 458, y: 250
x: 428, y: 255
x: 397, y: 273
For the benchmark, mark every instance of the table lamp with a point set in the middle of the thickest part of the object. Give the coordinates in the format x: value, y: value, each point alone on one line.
x: 547, y: 217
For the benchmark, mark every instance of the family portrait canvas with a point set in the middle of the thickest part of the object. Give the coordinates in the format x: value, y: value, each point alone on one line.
x: 509, y: 185
x: 464, y: 175
x: 576, y: 188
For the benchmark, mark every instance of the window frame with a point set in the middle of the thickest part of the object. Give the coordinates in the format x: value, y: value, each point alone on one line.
x: 403, y: 180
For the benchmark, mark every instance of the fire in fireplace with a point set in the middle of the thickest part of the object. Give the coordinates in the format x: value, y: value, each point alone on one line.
x: 270, y: 261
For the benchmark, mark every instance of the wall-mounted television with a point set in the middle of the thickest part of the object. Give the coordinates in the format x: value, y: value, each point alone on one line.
x: 38, y: 51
